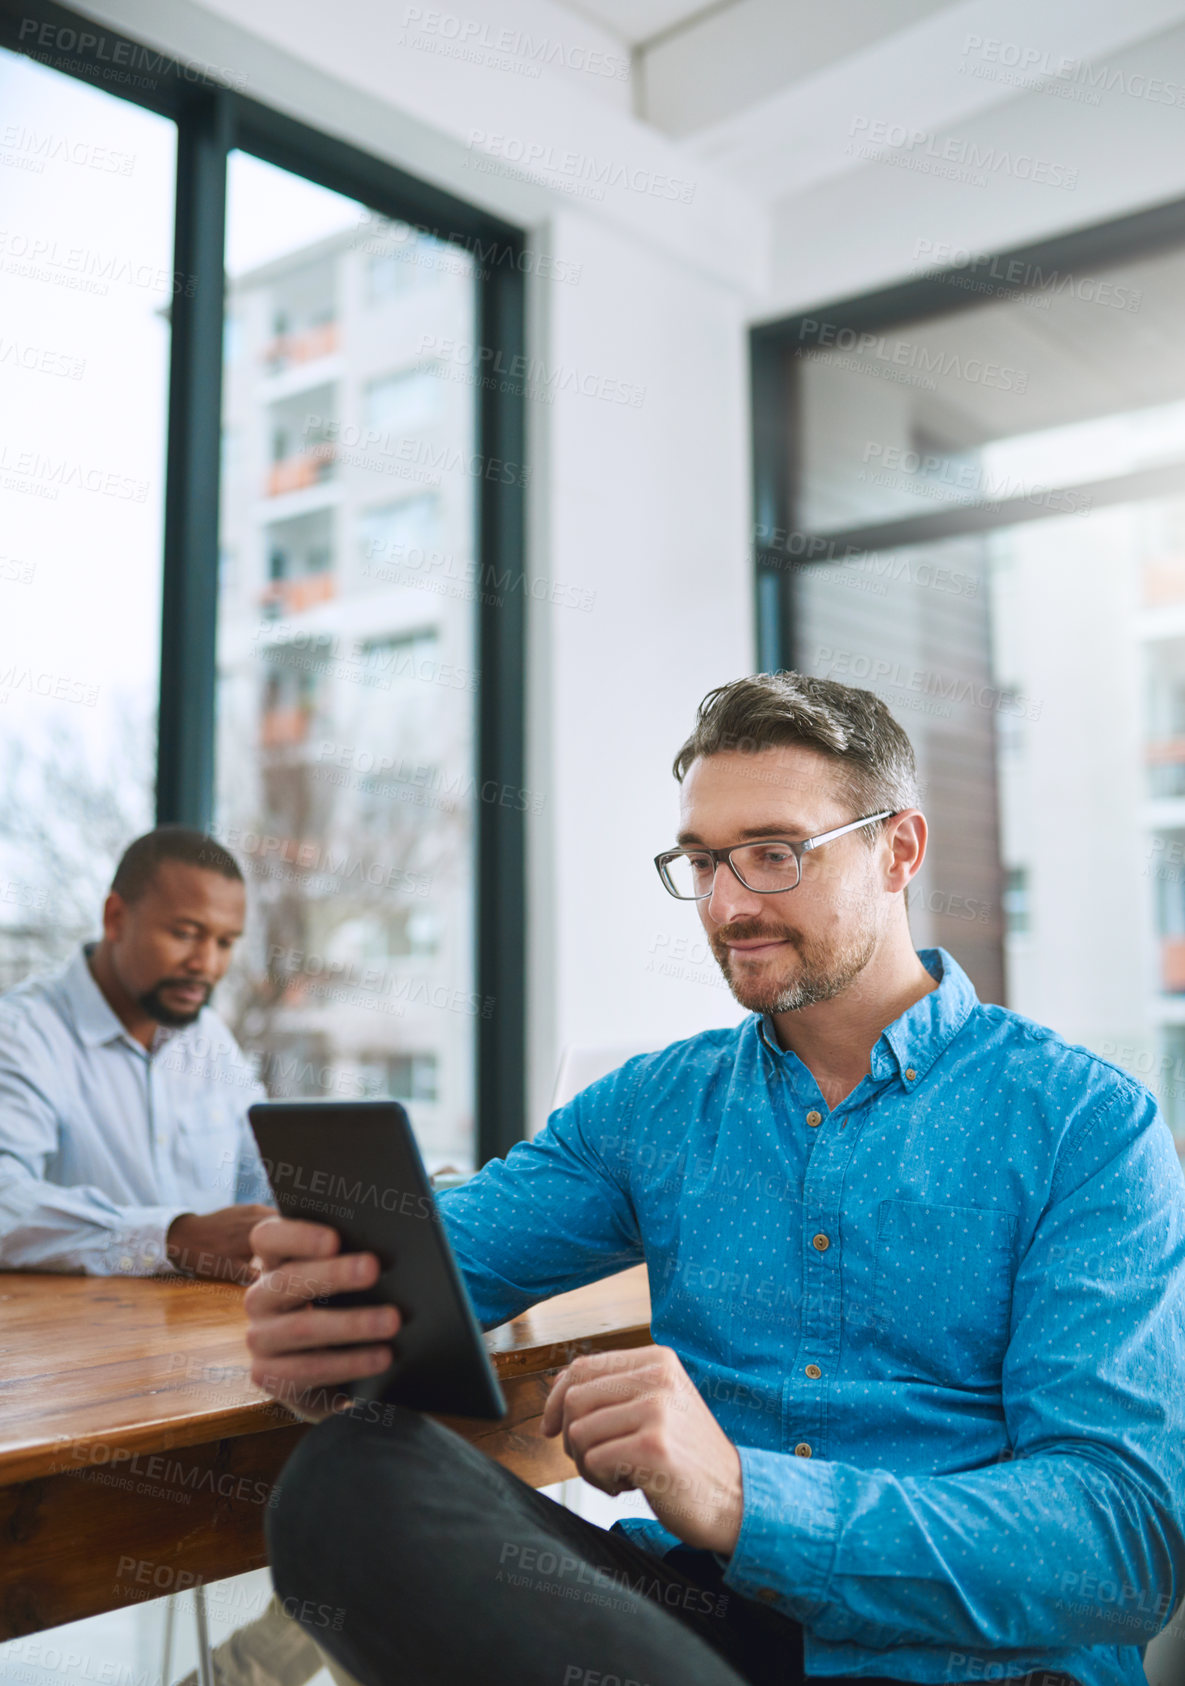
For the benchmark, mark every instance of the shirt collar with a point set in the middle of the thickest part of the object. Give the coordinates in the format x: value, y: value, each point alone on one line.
x: 915, y: 1041
x: 95, y: 1020
x: 912, y: 1043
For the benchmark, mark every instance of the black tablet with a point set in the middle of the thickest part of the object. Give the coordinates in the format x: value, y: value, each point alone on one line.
x: 355, y: 1166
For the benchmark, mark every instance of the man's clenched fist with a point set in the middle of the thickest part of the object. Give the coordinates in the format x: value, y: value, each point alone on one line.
x: 634, y: 1419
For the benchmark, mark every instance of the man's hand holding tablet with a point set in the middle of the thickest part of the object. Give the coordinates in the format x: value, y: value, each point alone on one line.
x: 303, y: 1353
x: 359, y: 1258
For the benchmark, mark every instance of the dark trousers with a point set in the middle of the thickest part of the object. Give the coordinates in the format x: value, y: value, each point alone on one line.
x: 414, y: 1560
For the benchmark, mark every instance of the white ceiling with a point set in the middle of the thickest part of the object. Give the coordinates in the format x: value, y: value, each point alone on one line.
x: 634, y: 21
x: 781, y: 101
x: 747, y: 32
x: 732, y: 57
x: 768, y: 89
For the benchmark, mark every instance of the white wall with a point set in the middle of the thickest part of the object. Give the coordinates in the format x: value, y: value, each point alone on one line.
x: 649, y: 506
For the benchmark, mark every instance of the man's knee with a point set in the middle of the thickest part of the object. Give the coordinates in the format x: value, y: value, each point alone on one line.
x: 319, y: 1491
x: 332, y: 1487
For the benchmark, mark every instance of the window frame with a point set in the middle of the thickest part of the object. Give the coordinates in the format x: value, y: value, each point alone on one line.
x: 212, y: 120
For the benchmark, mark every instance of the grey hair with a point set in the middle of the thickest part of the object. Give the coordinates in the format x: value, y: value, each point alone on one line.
x: 872, y: 755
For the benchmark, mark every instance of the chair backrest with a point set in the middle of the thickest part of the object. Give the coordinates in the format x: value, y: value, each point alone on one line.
x: 1164, y: 1660
x: 581, y: 1065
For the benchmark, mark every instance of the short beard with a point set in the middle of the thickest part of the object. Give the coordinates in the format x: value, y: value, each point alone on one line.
x: 152, y: 1004
x: 824, y: 970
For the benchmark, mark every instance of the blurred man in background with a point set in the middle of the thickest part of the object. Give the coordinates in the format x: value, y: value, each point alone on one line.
x: 124, y: 1145
x: 123, y: 1120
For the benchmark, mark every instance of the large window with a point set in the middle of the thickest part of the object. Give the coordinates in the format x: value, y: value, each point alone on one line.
x: 345, y: 748
x: 987, y: 528
x: 249, y: 512
x: 86, y: 288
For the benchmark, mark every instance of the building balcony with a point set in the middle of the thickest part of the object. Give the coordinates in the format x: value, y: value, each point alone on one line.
x: 288, y: 350
x: 296, y: 473
x: 1165, y: 761
x: 281, y: 598
x: 1161, y: 752
x: 284, y: 728
x: 1163, y: 580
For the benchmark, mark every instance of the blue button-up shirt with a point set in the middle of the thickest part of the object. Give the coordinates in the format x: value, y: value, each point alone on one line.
x: 944, y: 1326
x: 103, y: 1142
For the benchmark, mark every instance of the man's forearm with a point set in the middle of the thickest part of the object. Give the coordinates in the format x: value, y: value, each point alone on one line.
x: 995, y: 1558
x: 47, y: 1227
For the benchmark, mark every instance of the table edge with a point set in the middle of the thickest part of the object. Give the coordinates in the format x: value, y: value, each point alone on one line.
x: 50, y: 1457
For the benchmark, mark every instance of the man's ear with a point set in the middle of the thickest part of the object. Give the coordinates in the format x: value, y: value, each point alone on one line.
x: 115, y: 913
x: 906, y: 835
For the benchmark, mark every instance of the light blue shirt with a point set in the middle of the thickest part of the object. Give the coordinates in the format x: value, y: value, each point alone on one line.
x: 981, y: 1251
x: 102, y: 1142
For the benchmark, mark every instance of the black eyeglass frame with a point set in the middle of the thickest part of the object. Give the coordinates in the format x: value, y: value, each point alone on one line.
x: 798, y: 850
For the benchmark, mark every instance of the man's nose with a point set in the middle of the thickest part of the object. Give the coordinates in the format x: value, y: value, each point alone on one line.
x: 202, y: 959
x: 730, y: 899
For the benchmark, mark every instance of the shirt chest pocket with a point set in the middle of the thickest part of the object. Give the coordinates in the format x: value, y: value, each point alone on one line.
x: 942, y: 1291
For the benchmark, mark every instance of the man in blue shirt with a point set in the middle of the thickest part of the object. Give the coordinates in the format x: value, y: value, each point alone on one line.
x: 123, y: 1096
x: 916, y: 1408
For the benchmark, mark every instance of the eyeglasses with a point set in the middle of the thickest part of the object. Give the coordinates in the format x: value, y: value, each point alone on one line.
x: 768, y: 866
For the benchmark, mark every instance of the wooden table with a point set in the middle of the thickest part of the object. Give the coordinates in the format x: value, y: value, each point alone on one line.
x: 135, y: 1450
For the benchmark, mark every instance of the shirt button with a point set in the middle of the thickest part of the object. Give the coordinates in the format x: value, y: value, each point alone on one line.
x: 802, y: 1450
x: 814, y: 1372
x: 814, y: 1118
x: 910, y: 1074
x: 767, y: 1594
x: 820, y: 1243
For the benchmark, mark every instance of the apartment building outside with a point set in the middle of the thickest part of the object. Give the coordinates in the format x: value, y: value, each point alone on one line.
x: 346, y: 672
